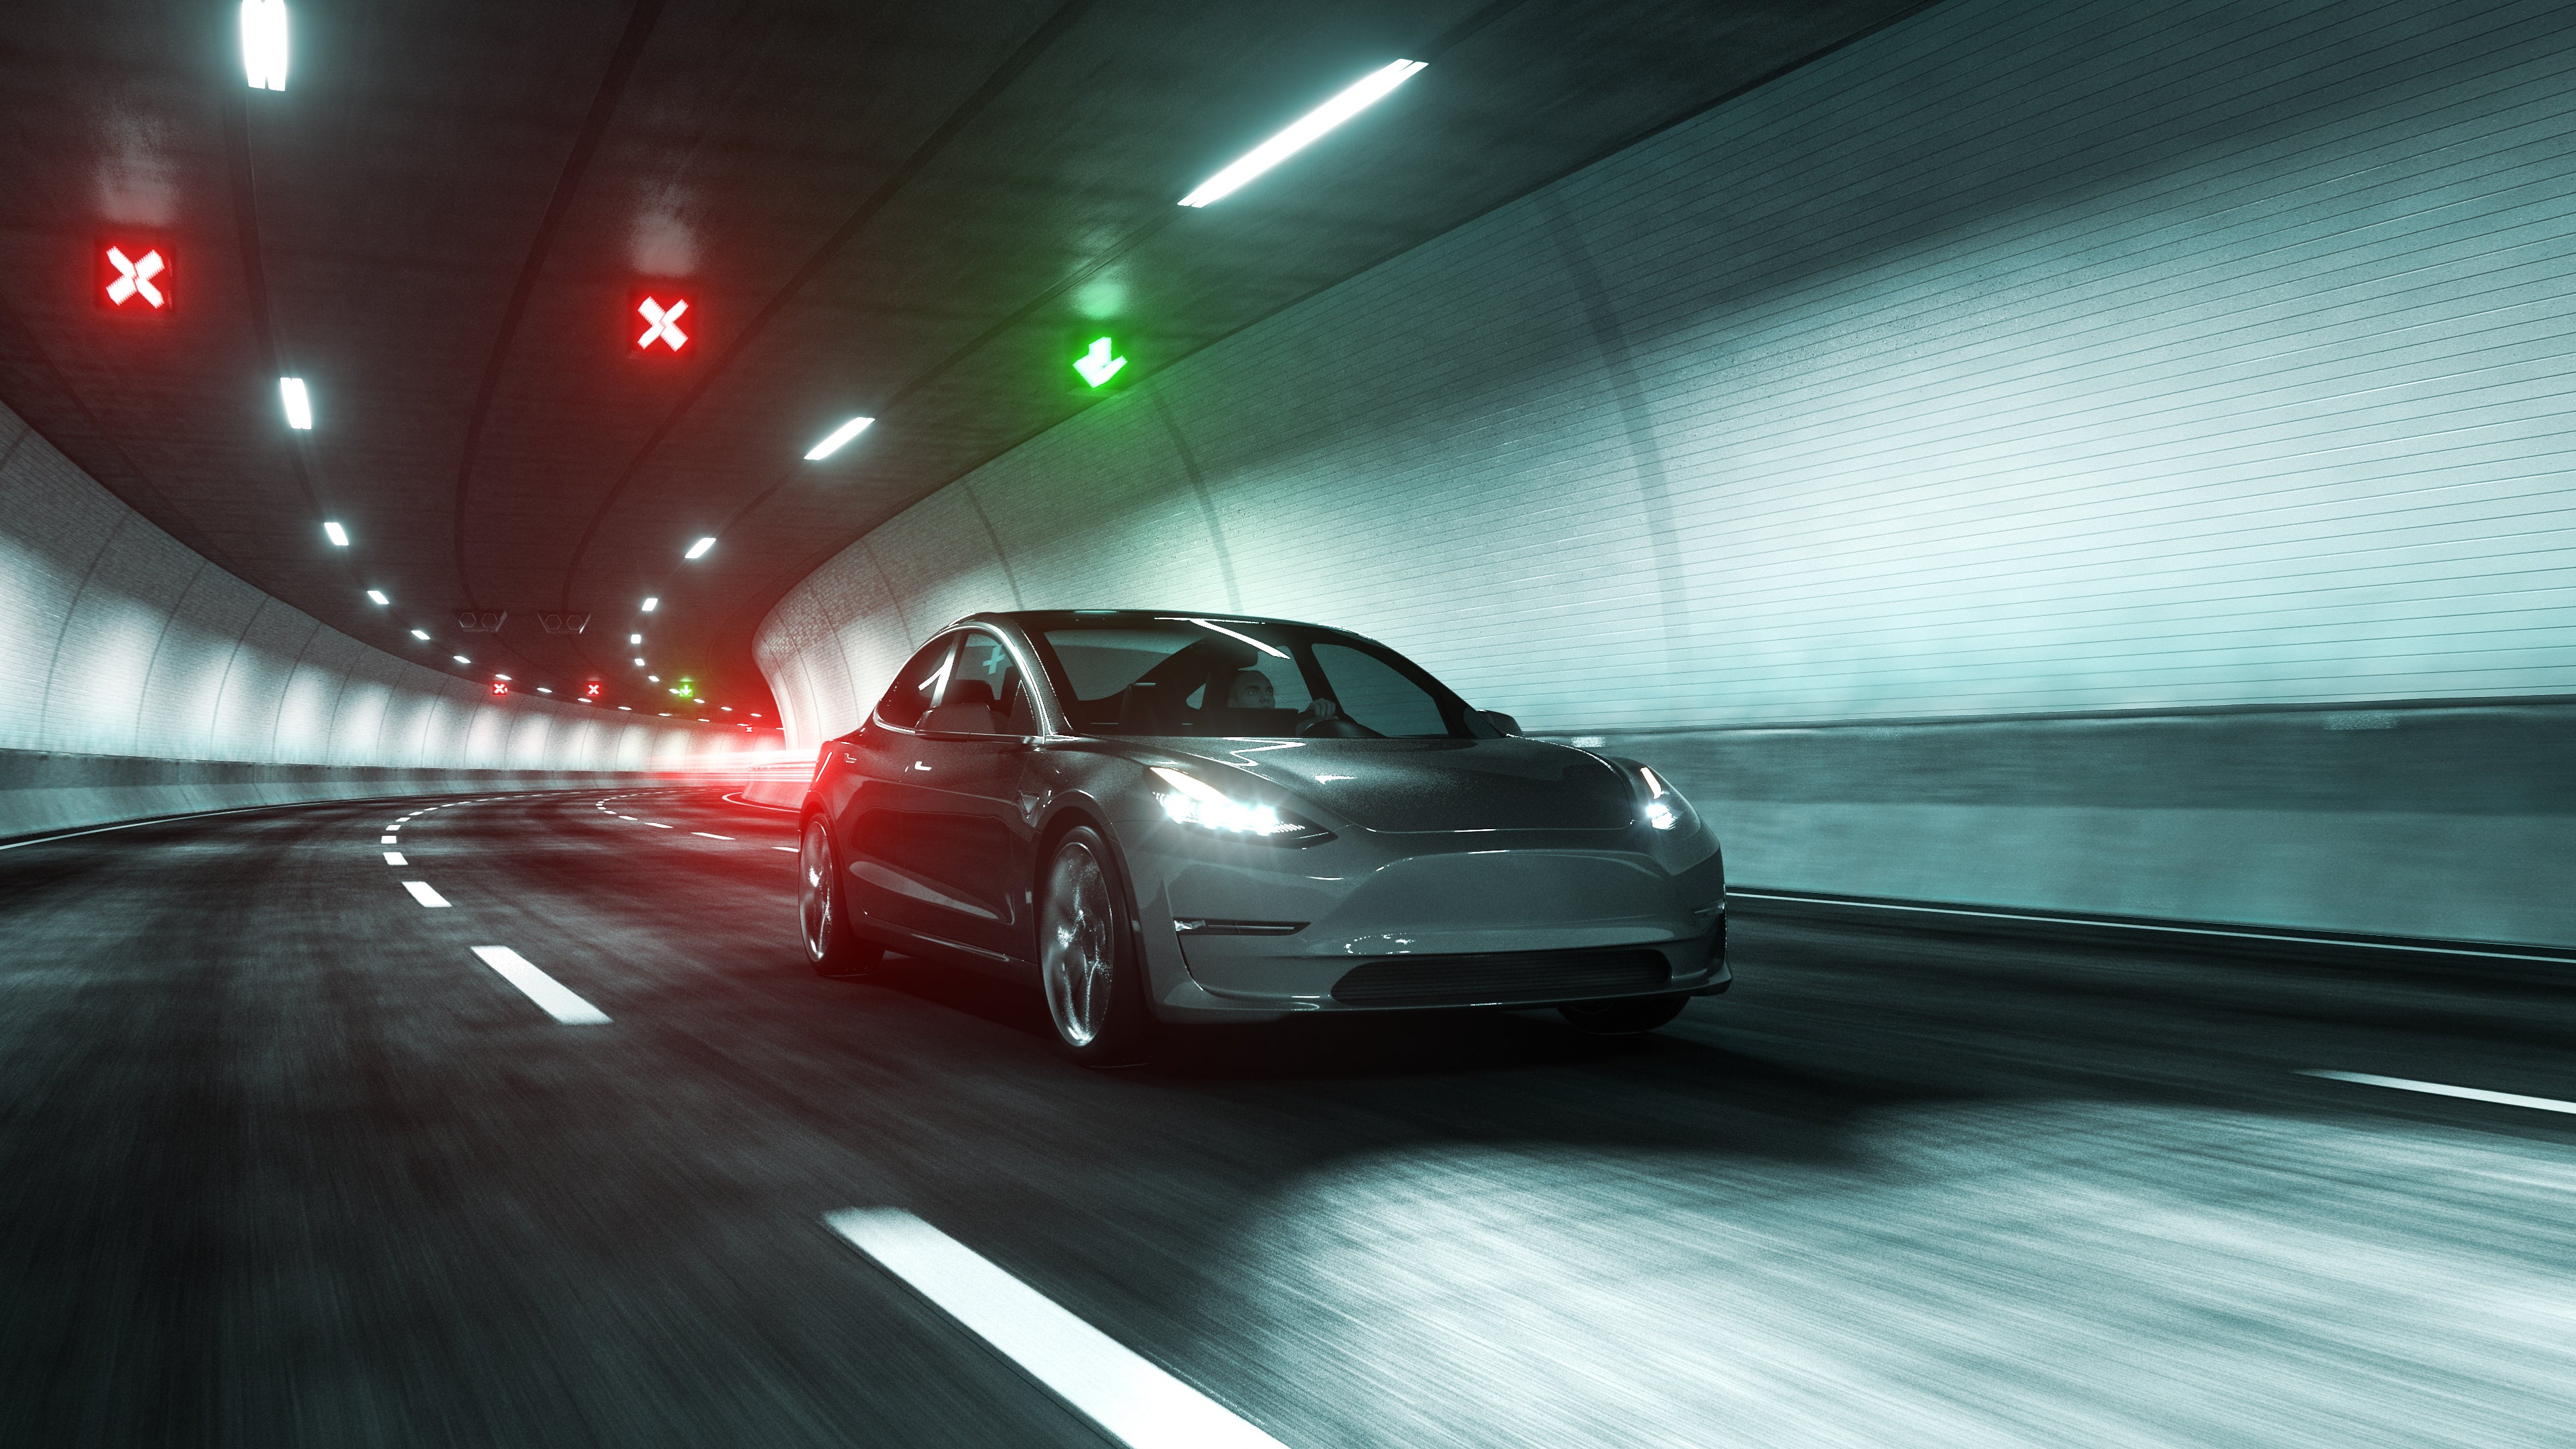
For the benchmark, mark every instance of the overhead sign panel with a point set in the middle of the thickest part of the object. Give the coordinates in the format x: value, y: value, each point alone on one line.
x: 133, y: 276
x: 660, y: 314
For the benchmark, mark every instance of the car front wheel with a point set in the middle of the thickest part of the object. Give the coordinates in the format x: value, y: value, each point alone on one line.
x: 1087, y: 957
x: 822, y: 909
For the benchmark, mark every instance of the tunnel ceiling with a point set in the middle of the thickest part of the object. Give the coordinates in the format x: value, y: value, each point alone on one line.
x: 445, y: 224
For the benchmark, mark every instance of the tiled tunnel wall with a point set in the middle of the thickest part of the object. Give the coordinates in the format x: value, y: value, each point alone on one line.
x: 1997, y: 462
x: 147, y: 681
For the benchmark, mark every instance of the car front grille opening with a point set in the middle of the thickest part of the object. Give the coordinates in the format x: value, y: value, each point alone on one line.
x: 1501, y: 977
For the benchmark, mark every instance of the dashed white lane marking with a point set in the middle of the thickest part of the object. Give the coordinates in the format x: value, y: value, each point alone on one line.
x: 421, y: 892
x: 395, y: 857
x: 1108, y: 1383
x: 2473, y: 1094
x: 711, y: 836
x: 388, y: 838
x: 544, y: 990
x: 656, y: 824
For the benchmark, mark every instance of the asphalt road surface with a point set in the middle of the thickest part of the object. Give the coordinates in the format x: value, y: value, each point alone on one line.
x: 284, y: 1162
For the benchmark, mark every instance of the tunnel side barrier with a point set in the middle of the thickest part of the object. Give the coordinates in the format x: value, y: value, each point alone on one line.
x: 145, y: 680
x: 2037, y: 369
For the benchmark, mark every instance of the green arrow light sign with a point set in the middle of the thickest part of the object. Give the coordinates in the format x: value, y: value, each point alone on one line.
x: 1097, y: 366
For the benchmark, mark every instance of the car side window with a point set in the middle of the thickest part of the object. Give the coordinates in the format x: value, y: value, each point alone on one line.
x: 984, y: 660
x: 1372, y: 693
x: 918, y: 686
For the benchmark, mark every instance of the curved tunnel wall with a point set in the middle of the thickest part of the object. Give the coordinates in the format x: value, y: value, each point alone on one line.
x: 147, y: 681
x: 2097, y: 457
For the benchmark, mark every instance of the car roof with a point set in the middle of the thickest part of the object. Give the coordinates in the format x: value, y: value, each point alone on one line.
x: 1057, y: 618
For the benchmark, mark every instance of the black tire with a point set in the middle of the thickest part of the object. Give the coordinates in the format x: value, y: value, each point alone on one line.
x: 1624, y: 1018
x: 1088, y: 962
x: 823, y: 912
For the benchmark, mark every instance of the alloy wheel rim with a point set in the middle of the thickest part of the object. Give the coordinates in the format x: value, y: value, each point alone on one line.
x: 814, y: 888
x: 1077, y: 955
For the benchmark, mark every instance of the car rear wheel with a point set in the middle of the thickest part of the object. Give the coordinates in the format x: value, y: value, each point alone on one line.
x: 1087, y: 957
x: 1624, y: 1018
x: 822, y: 909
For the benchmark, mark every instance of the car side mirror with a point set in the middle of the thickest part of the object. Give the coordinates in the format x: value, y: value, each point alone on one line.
x: 1501, y: 721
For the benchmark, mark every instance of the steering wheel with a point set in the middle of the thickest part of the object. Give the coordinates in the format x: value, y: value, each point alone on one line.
x: 1317, y: 713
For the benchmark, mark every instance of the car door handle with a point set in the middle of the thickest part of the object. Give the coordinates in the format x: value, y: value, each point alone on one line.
x: 918, y: 765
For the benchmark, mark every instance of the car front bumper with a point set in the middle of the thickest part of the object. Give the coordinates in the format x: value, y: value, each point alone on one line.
x: 1372, y: 922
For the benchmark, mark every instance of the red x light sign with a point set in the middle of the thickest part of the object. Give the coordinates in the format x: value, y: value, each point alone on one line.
x: 590, y: 690
x: 499, y: 689
x: 660, y: 323
x: 133, y: 276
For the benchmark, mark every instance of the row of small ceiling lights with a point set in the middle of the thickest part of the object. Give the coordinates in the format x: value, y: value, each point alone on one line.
x: 265, y: 53
x: 264, y: 61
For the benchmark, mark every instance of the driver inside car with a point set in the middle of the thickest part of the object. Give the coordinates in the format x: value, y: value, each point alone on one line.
x: 1251, y: 689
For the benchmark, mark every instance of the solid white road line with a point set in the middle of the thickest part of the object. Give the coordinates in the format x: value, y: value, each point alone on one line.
x: 544, y: 990
x: 388, y: 838
x: 421, y: 892
x: 2426, y: 949
x: 2473, y: 1094
x: 710, y: 836
x: 394, y: 857
x: 1108, y: 1383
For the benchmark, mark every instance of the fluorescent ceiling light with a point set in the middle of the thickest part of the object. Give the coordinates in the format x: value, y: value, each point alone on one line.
x: 299, y: 404
x: 699, y: 549
x: 459, y: 658
x: 263, y: 26
x: 652, y: 603
x: 726, y: 708
x: 502, y: 677
x: 840, y: 435
x: 420, y: 633
x: 378, y: 595
x: 626, y: 706
x: 634, y: 638
x: 1304, y: 131
x: 654, y: 677
x: 339, y: 536
x: 541, y: 689
x: 639, y: 661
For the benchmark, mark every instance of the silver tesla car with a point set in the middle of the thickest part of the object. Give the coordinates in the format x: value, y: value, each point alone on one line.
x: 1180, y: 818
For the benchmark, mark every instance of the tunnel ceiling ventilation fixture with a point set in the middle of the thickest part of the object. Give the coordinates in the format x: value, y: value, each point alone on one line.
x: 482, y: 621
x: 1304, y: 131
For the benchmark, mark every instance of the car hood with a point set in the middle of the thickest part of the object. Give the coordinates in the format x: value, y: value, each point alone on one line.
x: 1414, y: 785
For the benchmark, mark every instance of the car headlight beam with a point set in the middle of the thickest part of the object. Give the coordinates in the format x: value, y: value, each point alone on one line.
x: 1194, y: 802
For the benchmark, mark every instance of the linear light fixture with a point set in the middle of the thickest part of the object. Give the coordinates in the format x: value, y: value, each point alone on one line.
x: 378, y: 596
x: 639, y: 661
x: 651, y: 603
x: 634, y: 638
x: 422, y: 634
x: 263, y: 27
x: 339, y: 536
x: 299, y: 403
x: 839, y: 435
x: 459, y: 658
x: 699, y: 549
x: 1304, y: 131
x: 502, y: 677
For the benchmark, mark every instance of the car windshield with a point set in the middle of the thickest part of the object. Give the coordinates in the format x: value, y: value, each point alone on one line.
x: 1244, y: 679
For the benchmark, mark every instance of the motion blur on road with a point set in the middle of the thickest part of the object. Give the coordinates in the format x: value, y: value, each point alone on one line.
x: 1715, y: 724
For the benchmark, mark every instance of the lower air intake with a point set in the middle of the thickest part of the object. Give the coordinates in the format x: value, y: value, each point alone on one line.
x: 1502, y: 977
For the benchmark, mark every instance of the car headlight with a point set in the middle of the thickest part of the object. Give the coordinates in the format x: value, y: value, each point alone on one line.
x: 1663, y: 808
x: 1194, y: 802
